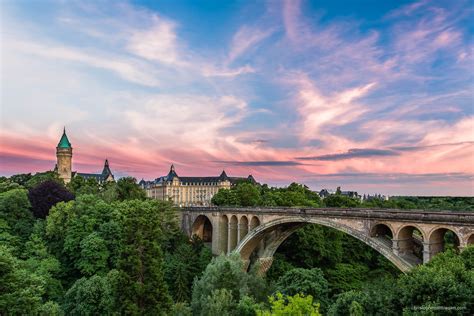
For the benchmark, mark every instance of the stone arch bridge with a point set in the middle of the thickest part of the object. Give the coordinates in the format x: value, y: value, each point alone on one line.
x: 405, y: 237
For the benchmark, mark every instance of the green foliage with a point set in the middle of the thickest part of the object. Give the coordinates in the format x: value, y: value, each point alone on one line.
x: 94, y: 255
x: 21, y: 289
x: 79, y: 186
x: 348, y: 302
x: 444, y: 281
x: 92, y: 296
x: 249, y: 194
x: 183, y: 265
x: 180, y: 309
x: 345, y: 277
x: 305, y: 281
x: 356, y: 309
x: 41, y: 177
x: 142, y: 286
x: 225, y: 272
x: 21, y: 179
x: 68, y: 232
x: 128, y: 189
x: 15, y: 213
x: 337, y: 200
x: 298, y: 305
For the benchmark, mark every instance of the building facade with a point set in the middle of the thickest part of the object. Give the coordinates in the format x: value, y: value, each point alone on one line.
x: 64, y: 164
x: 189, y: 191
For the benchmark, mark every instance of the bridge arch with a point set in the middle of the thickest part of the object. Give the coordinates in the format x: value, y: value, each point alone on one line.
x: 254, y: 222
x: 223, y: 233
x: 233, y: 223
x: 409, y: 241
x: 202, y: 227
x: 382, y: 231
x: 470, y: 240
x: 273, y: 233
x: 437, y: 239
x: 243, y: 227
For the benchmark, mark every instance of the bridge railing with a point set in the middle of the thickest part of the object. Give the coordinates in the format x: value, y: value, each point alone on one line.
x: 387, y: 214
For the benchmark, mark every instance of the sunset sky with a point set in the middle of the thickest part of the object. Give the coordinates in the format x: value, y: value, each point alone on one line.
x: 374, y: 96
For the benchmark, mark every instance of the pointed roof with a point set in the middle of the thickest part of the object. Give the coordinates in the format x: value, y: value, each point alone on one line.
x: 106, y: 170
x: 172, y: 174
x: 64, y: 141
x: 223, y: 175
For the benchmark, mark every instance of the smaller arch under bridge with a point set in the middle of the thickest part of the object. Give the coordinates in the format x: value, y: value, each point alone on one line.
x: 405, y: 237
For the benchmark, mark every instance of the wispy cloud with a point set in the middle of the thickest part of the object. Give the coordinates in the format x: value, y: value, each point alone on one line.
x: 275, y: 163
x: 246, y: 38
x: 354, y: 153
x: 368, y: 95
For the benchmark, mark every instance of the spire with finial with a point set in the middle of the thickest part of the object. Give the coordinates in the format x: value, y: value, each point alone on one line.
x: 172, y: 174
x: 223, y: 175
x: 106, y: 169
x: 64, y: 141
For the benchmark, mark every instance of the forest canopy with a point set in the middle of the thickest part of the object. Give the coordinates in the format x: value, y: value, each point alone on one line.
x: 106, y: 249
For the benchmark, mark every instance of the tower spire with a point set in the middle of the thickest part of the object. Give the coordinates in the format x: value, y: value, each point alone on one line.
x: 64, y: 141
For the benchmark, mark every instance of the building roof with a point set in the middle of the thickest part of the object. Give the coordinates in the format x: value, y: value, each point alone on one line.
x: 195, y: 180
x: 100, y: 177
x: 64, y: 141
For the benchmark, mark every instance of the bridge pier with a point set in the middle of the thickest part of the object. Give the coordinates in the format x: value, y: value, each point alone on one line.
x: 233, y: 235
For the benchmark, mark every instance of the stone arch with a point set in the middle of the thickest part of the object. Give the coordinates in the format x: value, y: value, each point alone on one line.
x: 439, y: 239
x: 223, y: 233
x: 243, y: 227
x: 383, y: 232
x: 470, y: 240
x: 254, y: 222
x: 275, y: 232
x: 202, y: 227
x: 233, y: 222
x: 409, y: 243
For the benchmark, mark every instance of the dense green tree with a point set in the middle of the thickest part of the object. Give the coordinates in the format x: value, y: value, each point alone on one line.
x: 180, y: 309
x: 347, y: 301
x: 22, y: 179
x: 226, y: 272
x: 345, y: 276
x: 40, y: 261
x: 7, y: 185
x: 305, y: 281
x: 444, y: 281
x: 338, y: 200
x: 69, y: 224
x: 128, y: 189
x: 21, y: 290
x: 219, y: 302
x: 291, y: 305
x: 45, y: 195
x: 314, y: 246
x: 143, y: 290
x: 92, y: 296
x: 42, y: 177
x: 79, y: 185
x: 15, y: 213
x: 467, y: 256
x: 248, y: 194
x: 94, y: 255
x: 225, y: 197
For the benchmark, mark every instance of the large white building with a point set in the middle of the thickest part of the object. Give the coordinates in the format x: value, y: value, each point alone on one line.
x: 188, y: 191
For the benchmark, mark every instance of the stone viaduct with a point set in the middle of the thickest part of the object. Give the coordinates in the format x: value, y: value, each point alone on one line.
x: 405, y: 237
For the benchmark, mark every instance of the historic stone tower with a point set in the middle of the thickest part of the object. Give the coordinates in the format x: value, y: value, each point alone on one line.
x: 64, y: 158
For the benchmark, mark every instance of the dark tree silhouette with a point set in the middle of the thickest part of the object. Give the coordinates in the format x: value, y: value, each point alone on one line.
x: 45, y: 195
